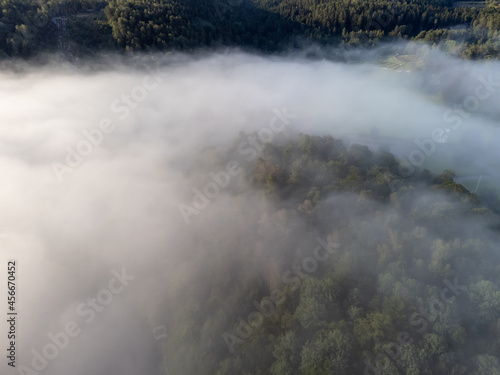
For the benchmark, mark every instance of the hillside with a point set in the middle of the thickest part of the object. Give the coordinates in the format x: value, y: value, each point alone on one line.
x: 77, y: 28
x: 395, y: 276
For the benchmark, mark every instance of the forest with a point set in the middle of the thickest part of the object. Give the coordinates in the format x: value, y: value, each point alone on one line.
x: 77, y: 28
x: 396, y: 275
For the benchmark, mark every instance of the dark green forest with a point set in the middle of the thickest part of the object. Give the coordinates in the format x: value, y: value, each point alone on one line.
x: 392, y: 276
x: 77, y: 28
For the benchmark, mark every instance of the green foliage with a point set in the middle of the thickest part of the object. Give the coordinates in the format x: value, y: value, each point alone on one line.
x: 487, y: 365
x: 485, y: 297
x: 287, y: 355
x: 383, y: 296
x: 264, y: 25
x: 329, y: 352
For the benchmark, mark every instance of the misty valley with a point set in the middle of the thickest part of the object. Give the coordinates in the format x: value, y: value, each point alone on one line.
x: 251, y: 187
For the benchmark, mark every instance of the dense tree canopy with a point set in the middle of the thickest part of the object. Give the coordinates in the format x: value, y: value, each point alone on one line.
x: 28, y: 26
x: 396, y: 276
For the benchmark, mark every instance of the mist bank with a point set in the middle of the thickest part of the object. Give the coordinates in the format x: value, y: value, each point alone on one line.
x: 171, y: 191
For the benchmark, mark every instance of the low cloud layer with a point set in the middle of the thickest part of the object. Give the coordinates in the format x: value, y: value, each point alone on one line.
x: 97, y: 159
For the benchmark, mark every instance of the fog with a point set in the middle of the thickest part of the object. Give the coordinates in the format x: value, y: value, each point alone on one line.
x: 99, y: 161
